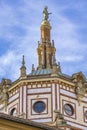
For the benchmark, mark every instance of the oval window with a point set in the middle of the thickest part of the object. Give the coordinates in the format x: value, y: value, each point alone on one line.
x: 39, y: 106
x: 69, y: 109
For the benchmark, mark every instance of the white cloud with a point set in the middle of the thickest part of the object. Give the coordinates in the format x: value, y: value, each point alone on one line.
x: 8, y: 64
x: 72, y: 58
x: 7, y: 18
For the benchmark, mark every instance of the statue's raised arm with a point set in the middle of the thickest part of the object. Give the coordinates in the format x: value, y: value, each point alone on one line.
x: 46, y: 14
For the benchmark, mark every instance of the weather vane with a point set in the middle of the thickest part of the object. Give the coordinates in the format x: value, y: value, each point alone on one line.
x: 46, y: 14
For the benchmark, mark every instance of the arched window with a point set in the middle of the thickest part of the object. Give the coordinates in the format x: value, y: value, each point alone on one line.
x: 86, y: 114
x: 69, y: 109
x: 13, y: 112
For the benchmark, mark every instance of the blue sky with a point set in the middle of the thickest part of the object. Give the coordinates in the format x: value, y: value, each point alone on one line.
x: 20, y: 22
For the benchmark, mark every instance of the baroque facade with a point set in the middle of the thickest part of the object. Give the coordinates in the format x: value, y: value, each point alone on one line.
x: 46, y: 95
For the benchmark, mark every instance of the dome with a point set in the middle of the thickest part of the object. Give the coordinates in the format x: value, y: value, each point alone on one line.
x: 41, y: 72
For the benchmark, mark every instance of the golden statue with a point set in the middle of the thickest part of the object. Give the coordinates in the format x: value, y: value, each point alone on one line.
x: 46, y: 14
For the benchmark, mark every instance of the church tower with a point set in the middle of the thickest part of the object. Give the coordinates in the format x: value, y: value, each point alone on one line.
x: 46, y: 95
x: 46, y: 50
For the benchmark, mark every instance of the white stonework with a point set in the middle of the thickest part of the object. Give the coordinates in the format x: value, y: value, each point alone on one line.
x: 53, y: 100
x: 44, y: 120
x: 40, y: 90
x: 46, y: 98
x: 24, y: 99
x: 65, y: 92
x: 53, y: 96
x: 78, y: 116
x: 12, y: 105
x: 20, y: 99
x: 14, y: 97
x: 58, y: 97
x: 78, y: 126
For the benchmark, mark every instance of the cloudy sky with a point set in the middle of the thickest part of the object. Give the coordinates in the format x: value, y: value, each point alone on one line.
x: 20, y: 31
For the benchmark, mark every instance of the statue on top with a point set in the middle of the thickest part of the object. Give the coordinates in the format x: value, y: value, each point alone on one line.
x: 46, y: 14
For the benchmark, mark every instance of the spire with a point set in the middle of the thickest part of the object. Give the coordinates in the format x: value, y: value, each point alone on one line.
x: 23, y: 61
x: 23, y: 69
x: 46, y: 49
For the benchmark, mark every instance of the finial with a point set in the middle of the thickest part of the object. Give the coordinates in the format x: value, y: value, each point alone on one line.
x: 46, y: 14
x: 59, y: 67
x: 33, y: 67
x: 54, y: 59
x: 58, y: 63
x: 52, y: 43
x: 23, y: 69
x: 23, y: 61
x: 38, y: 43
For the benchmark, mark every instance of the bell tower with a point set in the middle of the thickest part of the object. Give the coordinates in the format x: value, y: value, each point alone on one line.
x: 46, y: 50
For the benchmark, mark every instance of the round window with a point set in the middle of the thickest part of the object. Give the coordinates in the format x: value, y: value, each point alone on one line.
x: 69, y: 109
x: 39, y: 106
